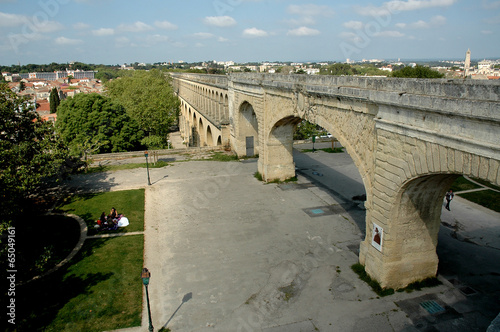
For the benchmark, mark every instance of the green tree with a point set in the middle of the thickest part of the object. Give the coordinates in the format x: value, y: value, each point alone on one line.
x: 91, y: 122
x: 149, y: 99
x: 417, y: 72
x: 22, y: 86
x: 30, y: 155
x: 54, y: 100
x: 305, y: 130
x: 338, y: 69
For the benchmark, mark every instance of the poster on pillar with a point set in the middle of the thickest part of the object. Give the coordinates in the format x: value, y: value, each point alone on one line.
x: 377, y: 237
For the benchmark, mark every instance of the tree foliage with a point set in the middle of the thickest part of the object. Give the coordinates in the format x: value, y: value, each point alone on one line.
x: 149, y: 99
x: 338, y: 69
x: 306, y: 129
x: 417, y: 72
x: 54, y: 100
x: 91, y: 122
x: 30, y: 154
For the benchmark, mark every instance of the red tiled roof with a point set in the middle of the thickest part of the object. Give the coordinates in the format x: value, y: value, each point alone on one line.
x: 43, y: 106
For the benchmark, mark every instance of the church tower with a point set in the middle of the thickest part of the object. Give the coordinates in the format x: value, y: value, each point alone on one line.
x: 467, y: 63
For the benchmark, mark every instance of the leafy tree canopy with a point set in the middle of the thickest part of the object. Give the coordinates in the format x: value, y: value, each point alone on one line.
x: 338, y: 69
x: 94, y: 122
x: 149, y: 99
x: 30, y: 154
x: 306, y: 129
x: 54, y: 100
x: 417, y: 72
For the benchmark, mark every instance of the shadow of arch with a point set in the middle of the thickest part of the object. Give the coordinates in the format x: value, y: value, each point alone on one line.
x: 210, y: 139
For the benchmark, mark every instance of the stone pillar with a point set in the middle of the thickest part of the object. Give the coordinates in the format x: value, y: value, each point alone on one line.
x: 276, y: 155
x: 402, y: 229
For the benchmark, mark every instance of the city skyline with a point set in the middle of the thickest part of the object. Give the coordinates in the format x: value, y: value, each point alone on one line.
x: 112, y: 32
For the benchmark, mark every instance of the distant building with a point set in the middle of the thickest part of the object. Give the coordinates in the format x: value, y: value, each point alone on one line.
x: 53, y: 76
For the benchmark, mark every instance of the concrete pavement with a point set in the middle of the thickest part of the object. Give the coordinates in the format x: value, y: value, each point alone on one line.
x: 229, y: 253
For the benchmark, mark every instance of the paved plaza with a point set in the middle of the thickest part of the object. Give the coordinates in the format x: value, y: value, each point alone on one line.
x: 230, y: 253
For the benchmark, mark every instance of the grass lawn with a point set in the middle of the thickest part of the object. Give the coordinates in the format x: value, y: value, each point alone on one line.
x: 90, y: 206
x: 462, y: 183
x: 100, y: 289
x: 112, y: 168
x: 488, y: 198
x: 327, y: 150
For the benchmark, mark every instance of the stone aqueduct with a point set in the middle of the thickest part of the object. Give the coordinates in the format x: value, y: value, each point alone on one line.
x: 409, y: 138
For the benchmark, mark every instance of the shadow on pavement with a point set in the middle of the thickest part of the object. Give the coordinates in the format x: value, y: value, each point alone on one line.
x: 186, y: 298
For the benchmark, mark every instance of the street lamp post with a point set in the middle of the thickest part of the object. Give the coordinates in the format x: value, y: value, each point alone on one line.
x: 147, y: 166
x: 145, y: 280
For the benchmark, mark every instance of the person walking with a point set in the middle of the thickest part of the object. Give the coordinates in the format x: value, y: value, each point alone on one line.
x: 449, y: 196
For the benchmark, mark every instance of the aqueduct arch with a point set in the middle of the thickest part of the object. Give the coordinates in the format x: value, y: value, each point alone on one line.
x: 408, y: 138
x: 248, y: 129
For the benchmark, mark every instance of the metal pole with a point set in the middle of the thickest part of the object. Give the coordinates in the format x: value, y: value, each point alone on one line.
x: 147, y: 167
x: 151, y: 329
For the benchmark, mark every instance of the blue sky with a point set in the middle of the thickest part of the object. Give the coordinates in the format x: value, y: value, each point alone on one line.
x: 117, y: 32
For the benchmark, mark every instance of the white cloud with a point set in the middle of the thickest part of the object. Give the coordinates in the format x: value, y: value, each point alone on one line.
x: 166, y: 25
x: 434, y: 22
x: 493, y: 20
x: 254, y: 33
x: 11, y: 20
x: 80, y: 26
x: 49, y: 26
x: 401, y: 25
x: 486, y: 32
x: 391, y: 34
x: 67, y: 41
x: 491, y: 5
x: 222, y: 39
x: 306, y: 20
x: 310, y: 10
x: 303, y: 31
x: 351, y: 36
x: 355, y: 25
x: 122, y: 42
x: 103, y: 32
x: 395, y: 6
x: 203, y: 35
x: 308, y: 13
x: 156, y: 39
x: 220, y: 21
x: 33, y: 24
x: 135, y: 27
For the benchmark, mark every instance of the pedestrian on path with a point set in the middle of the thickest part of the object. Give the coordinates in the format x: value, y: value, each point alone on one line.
x: 449, y: 196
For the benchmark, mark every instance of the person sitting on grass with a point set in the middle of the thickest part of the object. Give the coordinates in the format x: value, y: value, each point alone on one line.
x: 113, y: 214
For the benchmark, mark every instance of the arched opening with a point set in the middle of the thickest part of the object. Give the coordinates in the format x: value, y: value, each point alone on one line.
x: 194, y: 139
x: 219, y: 141
x: 210, y: 139
x: 248, y: 128
x: 225, y: 115
x: 201, y: 133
